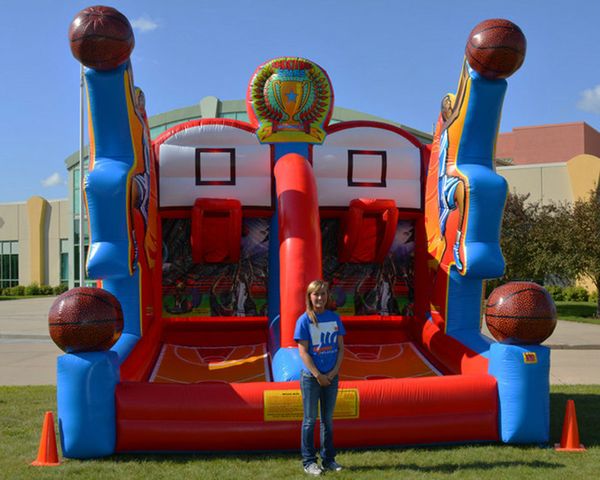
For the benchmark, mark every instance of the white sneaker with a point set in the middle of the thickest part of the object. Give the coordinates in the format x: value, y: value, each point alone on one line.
x: 333, y: 466
x: 313, y: 469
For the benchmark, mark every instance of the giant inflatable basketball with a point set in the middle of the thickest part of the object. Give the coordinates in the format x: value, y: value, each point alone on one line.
x: 520, y: 313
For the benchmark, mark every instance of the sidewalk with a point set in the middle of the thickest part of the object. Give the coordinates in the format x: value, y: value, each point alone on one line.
x: 28, y: 355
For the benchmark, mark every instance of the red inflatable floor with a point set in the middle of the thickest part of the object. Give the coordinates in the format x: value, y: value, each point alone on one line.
x: 396, y: 360
x: 249, y: 363
x: 239, y: 364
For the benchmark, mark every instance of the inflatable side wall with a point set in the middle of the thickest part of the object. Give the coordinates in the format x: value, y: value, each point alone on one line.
x: 463, y: 210
x: 120, y: 196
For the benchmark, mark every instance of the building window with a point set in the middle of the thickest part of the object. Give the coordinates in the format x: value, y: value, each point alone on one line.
x: 64, y: 261
x: 9, y: 264
x: 77, y: 185
x: 76, y: 257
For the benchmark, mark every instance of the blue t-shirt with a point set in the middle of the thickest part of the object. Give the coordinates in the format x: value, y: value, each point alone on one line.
x: 322, y: 339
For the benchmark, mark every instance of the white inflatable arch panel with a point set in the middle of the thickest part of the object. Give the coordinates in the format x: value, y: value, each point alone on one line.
x: 214, y: 161
x: 367, y: 162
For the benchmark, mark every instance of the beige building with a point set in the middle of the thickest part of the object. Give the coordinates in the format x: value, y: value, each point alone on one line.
x: 34, y: 242
x: 553, y: 163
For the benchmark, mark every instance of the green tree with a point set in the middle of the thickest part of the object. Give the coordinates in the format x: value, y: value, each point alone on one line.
x: 516, y: 238
x: 551, y: 242
x: 584, y: 239
x: 556, y: 240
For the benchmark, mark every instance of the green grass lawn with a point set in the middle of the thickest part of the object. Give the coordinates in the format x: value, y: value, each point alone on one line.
x: 577, y: 312
x: 22, y: 410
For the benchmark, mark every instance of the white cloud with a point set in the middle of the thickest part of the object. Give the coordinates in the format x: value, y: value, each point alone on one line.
x: 53, y: 180
x: 590, y: 100
x: 144, y: 24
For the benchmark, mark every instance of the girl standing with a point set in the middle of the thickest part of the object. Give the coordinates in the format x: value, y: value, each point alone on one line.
x: 320, y: 336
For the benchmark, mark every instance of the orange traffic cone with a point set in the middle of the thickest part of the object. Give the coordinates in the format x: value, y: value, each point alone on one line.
x: 47, y: 453
x: 569, y: 441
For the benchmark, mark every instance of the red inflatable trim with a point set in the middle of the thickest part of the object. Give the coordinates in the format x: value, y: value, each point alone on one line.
x: 336, y: 127
x: 456, y: 357
x: 228, y: 122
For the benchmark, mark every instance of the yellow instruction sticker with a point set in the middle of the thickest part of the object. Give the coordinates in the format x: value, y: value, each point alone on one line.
x: 286, y: 405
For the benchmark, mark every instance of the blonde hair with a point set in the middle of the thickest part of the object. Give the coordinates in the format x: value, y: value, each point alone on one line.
x: 314, y: 286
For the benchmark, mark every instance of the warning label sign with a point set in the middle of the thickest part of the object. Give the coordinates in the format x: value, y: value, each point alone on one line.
x: 529, y: 357
x: 286, y: 405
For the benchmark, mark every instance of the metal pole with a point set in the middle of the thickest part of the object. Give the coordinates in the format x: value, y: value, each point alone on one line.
x: 81, y: 182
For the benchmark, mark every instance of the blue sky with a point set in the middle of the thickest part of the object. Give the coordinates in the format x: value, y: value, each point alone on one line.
x: 393, y: 59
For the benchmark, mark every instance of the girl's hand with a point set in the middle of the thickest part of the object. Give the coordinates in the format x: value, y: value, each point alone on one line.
x: 323, y: 380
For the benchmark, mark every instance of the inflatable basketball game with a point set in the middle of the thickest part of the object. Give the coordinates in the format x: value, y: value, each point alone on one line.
x: 209, y: 235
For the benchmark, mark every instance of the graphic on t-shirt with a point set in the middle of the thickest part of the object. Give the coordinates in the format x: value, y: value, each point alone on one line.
x: 324, y: 337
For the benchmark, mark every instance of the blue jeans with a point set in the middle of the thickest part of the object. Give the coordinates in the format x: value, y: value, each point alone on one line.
x: 312, y: 392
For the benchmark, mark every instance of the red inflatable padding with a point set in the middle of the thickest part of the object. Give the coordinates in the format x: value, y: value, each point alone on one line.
x: 215, y: 331
x: 466, y: 427
x: 456, y: 357
x: 222, y: 324
x: 220, y: 416
x: 376, y: 337
x: 215, y: 338
x: 368, y: 230
x: 184, y: 435
x: 374, y: 322
x: 299, y: 238
x: 377, y: 330
x: 181, y: 435
x: 216, y: 230
x: 456, y: 394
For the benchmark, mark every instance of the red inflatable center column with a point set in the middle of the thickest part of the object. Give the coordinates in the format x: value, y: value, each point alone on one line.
x: 299, y: 238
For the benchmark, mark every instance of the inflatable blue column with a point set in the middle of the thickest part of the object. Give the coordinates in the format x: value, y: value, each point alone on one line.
x: 86, y: 382
x: 471, y: 138
x: 523, y: 376
x: 86, y: 403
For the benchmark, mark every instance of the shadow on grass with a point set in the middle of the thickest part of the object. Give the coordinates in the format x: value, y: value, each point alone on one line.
x: 185, y: 457
x: 446, y: 468
x: 587, y: 407
x: 455, y: 467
